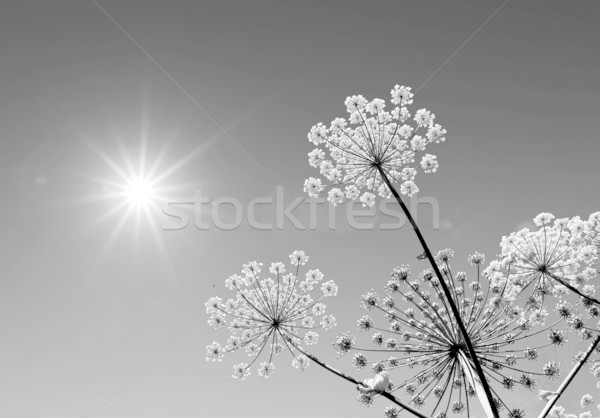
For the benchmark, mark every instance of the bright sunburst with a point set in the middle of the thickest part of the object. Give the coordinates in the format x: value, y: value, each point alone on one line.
x: 133, y: 187
x: 136, y: 184
x: 140, y: 192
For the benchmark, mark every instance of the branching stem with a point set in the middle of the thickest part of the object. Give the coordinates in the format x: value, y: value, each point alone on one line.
x: 447, y: 293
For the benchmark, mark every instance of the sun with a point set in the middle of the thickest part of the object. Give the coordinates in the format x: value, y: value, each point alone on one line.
x: 140, y: 192
x: 135, y: 184
x: 128, y: 180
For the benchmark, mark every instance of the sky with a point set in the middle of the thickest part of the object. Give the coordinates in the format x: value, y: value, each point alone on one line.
x: 101, y: 302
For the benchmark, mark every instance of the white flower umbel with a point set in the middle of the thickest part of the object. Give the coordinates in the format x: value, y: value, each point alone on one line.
x: 558, y: 258
x: 279, y: 313
x: 353, y: 154
x: 271, y: 315
x: 373, y: 151
x: 422, y: 345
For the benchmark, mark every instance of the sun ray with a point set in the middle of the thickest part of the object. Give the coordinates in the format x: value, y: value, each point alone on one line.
x: 135, y: 187
x: 112, y: 212
x: 159, y: 159
x: 186, y: 160
x: 116, y: 230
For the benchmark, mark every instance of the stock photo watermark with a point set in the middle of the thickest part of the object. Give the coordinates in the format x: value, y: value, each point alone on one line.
x: 280, y: 212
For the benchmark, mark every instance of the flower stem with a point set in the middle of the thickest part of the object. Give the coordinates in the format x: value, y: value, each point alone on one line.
x: 570, y: 377
x: 574, y: 289
x: 356, y: 382
x: 459, y: 322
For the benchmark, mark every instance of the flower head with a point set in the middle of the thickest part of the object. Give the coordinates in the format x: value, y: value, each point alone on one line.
x: 424, y: 344
x: 371, y: 146
x: 271, y: 315
x: 556, y: 259
x: 586, y: 400
x: 557, y: 412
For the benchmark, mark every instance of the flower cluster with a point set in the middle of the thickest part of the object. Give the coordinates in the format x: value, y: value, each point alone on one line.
x: 268, y: 316
x: 587, y: 237
x: 422, y: 335
x: 586, y: 402
x: 370, y: 145
x: 556, y: 259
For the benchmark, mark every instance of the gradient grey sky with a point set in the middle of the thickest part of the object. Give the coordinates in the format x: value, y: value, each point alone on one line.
x: 83, y: 306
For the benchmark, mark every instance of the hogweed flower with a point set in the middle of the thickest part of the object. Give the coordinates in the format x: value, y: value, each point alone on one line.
x: 422, y: 340
x: 279, y: 313
x: 586, y: 236
x: 561, y: 412
x: 516, y: 413
x: 586, y: 400
x: 271, y: 315
x: 370, y: 155
x: 557, y: 258
x: 557, y: 412
x: 590, y: 230
x: 372, y: 141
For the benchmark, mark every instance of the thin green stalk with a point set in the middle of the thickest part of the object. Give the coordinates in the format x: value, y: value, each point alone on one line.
x: 569, y: 378
x: 448, y: 294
